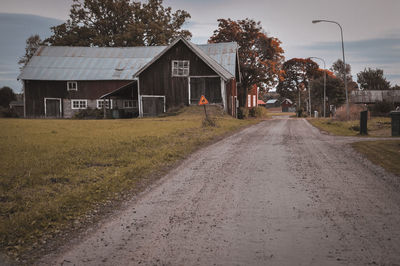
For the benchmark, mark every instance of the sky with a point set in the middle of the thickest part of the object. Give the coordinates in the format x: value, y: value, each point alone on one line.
x: 371, y: 28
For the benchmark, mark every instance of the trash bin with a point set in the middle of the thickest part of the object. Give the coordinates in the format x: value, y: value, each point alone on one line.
x: 395, y: 115
x: 316, y: 114
x: 363, y: 123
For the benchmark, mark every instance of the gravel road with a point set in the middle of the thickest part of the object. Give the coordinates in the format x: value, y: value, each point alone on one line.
x: 277, y: 193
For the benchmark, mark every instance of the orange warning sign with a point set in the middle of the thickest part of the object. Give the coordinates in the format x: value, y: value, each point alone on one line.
x: 203, y: 100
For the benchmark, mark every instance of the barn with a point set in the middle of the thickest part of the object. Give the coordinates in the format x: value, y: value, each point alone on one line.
x: 60, y: 81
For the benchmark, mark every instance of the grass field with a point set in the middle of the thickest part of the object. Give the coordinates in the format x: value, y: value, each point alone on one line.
x: 377, y: 126
x: 384, y: 153
x: 54, y: 171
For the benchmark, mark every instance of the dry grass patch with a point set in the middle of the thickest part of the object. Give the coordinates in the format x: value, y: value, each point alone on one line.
x: 385, y: 153
x: 377, y: 126
x: 55, y: 171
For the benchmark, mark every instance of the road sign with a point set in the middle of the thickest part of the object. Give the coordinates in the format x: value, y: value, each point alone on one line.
x: 203, y: 100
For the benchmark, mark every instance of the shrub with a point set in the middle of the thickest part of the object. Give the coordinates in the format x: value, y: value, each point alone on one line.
x: 243, y: 113
x: 259, y: 112
x: 354, y: 112
x: 89, y: 113
x: 381, y: 108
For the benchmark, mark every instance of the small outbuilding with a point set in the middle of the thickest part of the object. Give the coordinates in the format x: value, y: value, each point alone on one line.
x: 287, y: 106
x: 272, y: 103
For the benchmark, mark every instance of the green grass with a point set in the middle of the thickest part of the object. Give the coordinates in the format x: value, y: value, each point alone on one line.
x: 384, y: 153
x: 377, y: 126
x: 55, y: 171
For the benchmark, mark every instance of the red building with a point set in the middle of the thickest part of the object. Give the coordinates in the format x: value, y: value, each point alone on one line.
x: 252, y: 97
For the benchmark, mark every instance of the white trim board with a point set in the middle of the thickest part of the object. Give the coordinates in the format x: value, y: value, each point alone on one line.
x: 45, y: 109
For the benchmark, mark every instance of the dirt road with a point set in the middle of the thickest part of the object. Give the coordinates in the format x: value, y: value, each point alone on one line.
x: 278, y: 193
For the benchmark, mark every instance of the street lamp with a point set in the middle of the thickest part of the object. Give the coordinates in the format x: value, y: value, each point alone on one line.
x: 344, y: 62
x: 324, y: 102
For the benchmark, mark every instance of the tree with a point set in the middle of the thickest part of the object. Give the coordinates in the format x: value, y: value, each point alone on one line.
x: 260, y: 56
x: 372, y: 79
x: 396, y: 87
x: 119, y: 23
x: 295, y: 77
x: 6, y: 96
x: 334, y: 91
x: 338, y: 69
x: 32, y: 44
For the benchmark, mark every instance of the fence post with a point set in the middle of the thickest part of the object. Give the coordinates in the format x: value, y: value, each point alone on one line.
x: 363, y: 123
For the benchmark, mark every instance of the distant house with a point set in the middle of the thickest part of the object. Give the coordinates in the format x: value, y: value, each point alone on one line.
x: 272, y: 103
x: 261, y: 103
x: 287, y: 106
x: 60, y: 81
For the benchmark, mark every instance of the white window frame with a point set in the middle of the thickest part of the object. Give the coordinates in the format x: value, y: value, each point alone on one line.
x: 249, y: 100
x: 71, y: 83
x: 180, y: 68
x: 129, y: 104
x: 254, y: 101
x: 79, y: 104
x: 102, y: 100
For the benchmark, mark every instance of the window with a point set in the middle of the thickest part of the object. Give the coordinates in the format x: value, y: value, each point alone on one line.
x: 180, y: 68
x: 248, y: 100
x: 78, y: 104
x: 254, y: 101
x: 101, y: 102
x: 130, y: 104
x: 72, y: 85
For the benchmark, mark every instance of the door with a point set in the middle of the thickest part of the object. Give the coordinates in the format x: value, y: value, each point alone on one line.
x: 153, y: 105
x: 53, y: 107
x: 209, y: 87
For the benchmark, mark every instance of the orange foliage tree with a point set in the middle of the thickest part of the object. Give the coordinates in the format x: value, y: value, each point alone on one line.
x: 260, y: 56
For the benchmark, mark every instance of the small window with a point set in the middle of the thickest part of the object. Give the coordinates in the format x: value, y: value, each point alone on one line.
x: 130, y: 104
x: 254, y: 101
x: 72, y: 85
x: 78, y: 104
x: 101, y: 102
x: 248, y: 100
x: 180, y: 68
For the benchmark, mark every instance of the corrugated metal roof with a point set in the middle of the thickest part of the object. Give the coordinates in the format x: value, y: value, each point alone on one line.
x: 374, y: 96
x: 272, y: 101
x: 110, y: 63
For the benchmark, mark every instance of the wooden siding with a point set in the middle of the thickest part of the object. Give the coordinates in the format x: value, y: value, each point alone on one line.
x: 157, y: 79
x: 36, y: 91
x: 231, y: 96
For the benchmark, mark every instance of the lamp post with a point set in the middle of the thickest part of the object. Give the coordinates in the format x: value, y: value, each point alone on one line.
x: 324, y: 101
x: 344, y: 62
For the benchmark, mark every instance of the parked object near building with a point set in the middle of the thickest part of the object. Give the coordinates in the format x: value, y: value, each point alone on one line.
x: 395, y: 115
x: 287, y: 106
x: 60, y: 81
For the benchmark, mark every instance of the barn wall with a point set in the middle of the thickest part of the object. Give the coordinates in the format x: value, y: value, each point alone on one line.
x: 157, y: 79
x: 36, y: 91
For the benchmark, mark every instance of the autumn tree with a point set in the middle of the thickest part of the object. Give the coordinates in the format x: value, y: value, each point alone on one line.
x: 372, y: 79
x: 295, y: 78
x: 260, y: 56
x: 113, y: 23
x: 32, y: 44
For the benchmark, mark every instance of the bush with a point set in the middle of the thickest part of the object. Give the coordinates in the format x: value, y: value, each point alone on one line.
x: 259, y: 112
x: 243, y: 113
x: 354, y: 112
x: 89, y: 113
x: 381, y: 108
x: 7, y: 112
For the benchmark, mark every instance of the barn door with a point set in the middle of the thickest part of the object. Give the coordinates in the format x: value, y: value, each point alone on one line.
x: 153, y: 105
x: 52, y: 108
x: 209, y: 87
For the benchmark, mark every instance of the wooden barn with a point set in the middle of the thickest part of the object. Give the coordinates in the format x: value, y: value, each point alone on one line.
x: 252, y: 97
x: 60, y: 81
x: 287, y: 106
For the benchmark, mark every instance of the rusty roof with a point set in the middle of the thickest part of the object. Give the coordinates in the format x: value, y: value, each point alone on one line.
x: 110, y: 63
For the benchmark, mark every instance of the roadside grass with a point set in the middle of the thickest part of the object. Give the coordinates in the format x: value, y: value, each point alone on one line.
x: 384, y: 153
x: 53, y: 172
x: 377, y: 126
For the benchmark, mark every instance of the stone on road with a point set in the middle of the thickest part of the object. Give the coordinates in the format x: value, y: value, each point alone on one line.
x: 277, y: 193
